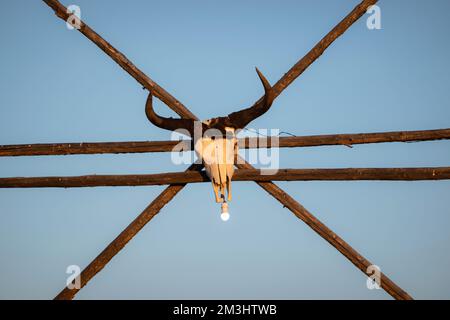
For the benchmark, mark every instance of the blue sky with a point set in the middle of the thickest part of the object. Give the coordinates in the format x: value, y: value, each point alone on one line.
x: 56, y: 86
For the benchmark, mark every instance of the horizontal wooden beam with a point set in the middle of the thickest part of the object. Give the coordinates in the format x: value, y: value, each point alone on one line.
x: 345, y: 174
x: 57, y: 149
x: 245, y: 143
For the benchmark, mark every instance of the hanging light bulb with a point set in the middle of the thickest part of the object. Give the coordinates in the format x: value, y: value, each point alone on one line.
x: 224, y: 215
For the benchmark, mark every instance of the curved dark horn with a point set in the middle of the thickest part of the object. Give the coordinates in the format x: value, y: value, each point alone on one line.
x: 242, y: 118
x: 167, y: 123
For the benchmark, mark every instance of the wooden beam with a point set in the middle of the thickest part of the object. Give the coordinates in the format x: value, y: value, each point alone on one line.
x: 280, y: 195
x: 287, y: 201
x: 345, y: 174
x: 358, y: 260
x: 320, y: 48
x: 117, y: 244
x: 302, y: 213
x: 123, y: 238
x: 322, y: 45
x: 347, y: 139
x: 55, y: 149
x: 322, y: 230
x: 61, y: 12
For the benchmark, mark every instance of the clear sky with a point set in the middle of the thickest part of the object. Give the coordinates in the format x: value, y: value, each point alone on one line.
x: 56, y: 86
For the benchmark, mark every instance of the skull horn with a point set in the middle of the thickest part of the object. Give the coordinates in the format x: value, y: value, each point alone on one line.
x: 171, y: 124
x: 241, y: 119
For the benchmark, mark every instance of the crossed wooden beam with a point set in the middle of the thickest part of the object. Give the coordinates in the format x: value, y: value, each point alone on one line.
x: 245, y: 172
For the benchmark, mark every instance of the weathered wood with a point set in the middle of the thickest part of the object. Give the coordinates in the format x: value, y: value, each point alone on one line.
x: 123, y: 238
x: 285, y: 199
x: 320, y: 48
x: 55, y: 149
x: 343, y: 247
x: 345, y: 174
x: 347, y: 139
x: 358, y: 260
x: 61, y: 12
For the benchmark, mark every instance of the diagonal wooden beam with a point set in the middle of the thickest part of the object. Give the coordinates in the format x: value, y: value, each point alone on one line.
x: 123, y: 238
x: 61, y: 12
x: 344, y: 174
x: 322, y: 230
x: 244, y: 143
x: 322, y: 45
x: 319, y: 48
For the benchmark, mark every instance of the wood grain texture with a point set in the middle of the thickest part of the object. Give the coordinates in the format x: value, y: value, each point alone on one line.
x: 61, y: 12
x: 123, y: 238
x: 347, y: 139
x: 56, y: 149
x: 358, y: 260
x: 282, y: 84
x: 344, y: 174
x: 322, y: 230
x: 319, y: 48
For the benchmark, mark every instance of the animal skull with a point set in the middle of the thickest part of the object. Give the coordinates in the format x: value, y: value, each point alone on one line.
x: 218, y: 152
x: 216, y: 144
